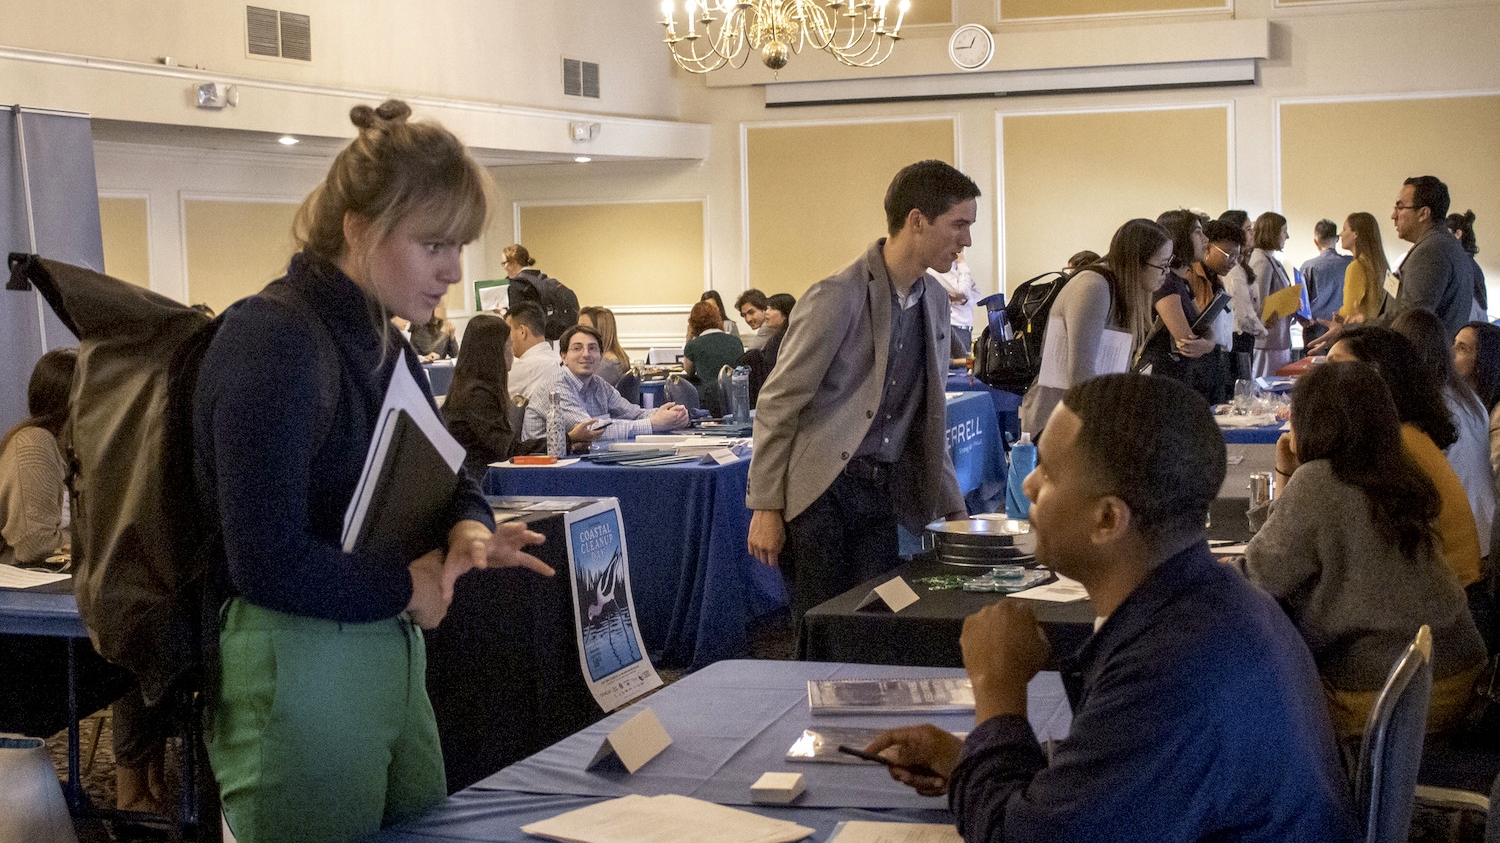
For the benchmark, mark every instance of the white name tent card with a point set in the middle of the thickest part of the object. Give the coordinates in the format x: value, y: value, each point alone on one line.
x: 634, y: 742
x: 893, y: 594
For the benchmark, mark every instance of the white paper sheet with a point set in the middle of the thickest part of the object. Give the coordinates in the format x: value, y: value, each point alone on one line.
x: 1113, y: 355
x: 403, y: 393
x: 13, y: 577
x: 859, y: 831
x: 664, y: 819
x: 1062, y: 591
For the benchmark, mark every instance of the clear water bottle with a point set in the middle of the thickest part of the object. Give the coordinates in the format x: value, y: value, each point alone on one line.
x: 557, y: 436
x: 1022, y: 463
x: 739, y: 395
x: 725, y: 383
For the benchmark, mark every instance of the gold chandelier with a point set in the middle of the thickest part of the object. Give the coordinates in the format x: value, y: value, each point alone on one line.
x: 854, y: 32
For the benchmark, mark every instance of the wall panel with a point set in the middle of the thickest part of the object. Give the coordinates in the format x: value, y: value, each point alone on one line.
x: 620, y: 253
x: 127, y: 246
x: 1011, y: 10
x: 815, y: 193
x: 234, y: 247
x: 1070, y: 180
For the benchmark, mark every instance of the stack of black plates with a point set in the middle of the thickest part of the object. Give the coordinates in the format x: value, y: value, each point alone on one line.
x: 980, y: 542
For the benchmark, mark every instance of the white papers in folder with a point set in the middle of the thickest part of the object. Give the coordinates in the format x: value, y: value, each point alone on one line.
x: 1112, y: 357
x: 403, y: 393
x: 664, y: 819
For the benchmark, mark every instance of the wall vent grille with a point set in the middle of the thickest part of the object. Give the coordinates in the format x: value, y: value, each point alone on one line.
x: 580, y: 78
x: 269, y: 32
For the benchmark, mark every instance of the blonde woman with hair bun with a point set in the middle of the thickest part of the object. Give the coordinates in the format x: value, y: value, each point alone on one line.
x: 321, y: 730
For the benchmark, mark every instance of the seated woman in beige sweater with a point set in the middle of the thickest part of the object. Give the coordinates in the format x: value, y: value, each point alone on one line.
x: 1350, y: 547
x: 33, y: 523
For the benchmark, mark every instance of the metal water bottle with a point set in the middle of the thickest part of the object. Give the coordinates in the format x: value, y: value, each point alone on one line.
x: 557, y: 437
x: 725, y: 384
x: 739, y: 395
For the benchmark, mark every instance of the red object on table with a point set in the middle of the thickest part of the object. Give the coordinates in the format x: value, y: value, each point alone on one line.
x: 1300, y: 367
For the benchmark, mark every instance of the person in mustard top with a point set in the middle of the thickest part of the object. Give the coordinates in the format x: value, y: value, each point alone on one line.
x: 1426, y: 428
x: 1364, y: 280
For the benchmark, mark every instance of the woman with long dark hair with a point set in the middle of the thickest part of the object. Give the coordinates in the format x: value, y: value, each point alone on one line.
x: 322, y: 730
x: 1350, y: 548
x: 1174, y: 350
x: 1476, y: 358
x: 1110, y: 297
x: 1469, y: 455
x: 1426, y: 429
x: 33, y: 523
x: 477, y: 409
x: 730, y: 327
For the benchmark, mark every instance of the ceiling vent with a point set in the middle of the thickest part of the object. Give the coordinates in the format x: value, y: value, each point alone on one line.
x: 580, y: 78
x: 269, y: 32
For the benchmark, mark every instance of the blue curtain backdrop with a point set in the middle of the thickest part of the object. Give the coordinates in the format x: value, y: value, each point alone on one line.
x: 64, y: 213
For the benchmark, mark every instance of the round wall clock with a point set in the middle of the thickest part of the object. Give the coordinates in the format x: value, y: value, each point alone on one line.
x: 971, y: 47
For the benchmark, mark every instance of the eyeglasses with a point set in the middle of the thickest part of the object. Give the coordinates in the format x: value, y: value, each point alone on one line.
x: 1167, y: 268
x: 1400, y: 207
x: 1232, y: 256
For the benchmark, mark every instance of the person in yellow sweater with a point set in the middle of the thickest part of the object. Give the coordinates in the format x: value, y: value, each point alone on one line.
x: 1364, y: 280
x: 1426, y: 428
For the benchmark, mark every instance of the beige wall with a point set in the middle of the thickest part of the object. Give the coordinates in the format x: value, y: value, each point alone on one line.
x: 1072, y: 179
x: 122, y: 221
x: 815, y: 193
x: 1022, y: 9
x: 639, y: 253
x: 1341, y: 157
x: 234, y: 248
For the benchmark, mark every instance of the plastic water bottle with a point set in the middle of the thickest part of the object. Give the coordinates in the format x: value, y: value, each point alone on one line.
x: 739, y: 395
x: 557, y: 437
x: 1022, y: 463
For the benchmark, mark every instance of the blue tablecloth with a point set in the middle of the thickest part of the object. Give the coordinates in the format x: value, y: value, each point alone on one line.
x: 729, y: 724
x: 1007, y: 404
x: 695, y: 584
x: 439, y: 375
x: 977, y: 450
x: 1263, y: 435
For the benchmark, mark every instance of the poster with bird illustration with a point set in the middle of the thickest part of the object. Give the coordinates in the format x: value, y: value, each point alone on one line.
x: 610, y: 649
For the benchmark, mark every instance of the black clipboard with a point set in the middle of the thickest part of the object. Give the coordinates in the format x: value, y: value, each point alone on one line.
x: 414, y: 488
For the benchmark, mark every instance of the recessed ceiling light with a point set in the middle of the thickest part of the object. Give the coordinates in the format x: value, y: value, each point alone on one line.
x: 287, y: 140
x: 583, y: 159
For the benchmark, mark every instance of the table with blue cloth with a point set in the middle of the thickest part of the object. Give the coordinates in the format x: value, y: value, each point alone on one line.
x: 729, y: 723
x: 1007, y: 404
x: 439, y: 375
x: 1265, y: 434
x: 696, y: 586
x: 978, y: 452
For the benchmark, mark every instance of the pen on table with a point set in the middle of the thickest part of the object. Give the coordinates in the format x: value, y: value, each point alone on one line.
x: 881, y: 759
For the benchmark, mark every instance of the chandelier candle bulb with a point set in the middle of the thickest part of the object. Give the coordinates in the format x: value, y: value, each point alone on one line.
x: 900, y: 16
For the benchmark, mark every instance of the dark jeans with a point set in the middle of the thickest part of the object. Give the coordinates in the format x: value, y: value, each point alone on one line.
x: 845, y: 537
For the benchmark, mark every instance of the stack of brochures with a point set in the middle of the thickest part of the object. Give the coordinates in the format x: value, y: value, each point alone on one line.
x: 887, y: 696
x: 664, y: 819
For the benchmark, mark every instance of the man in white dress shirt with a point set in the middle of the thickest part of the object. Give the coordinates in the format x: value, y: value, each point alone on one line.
x: 536, y: 359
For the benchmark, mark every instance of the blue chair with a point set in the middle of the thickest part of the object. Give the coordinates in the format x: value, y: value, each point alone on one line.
x: 1385, y: 782
x: 630, y: 386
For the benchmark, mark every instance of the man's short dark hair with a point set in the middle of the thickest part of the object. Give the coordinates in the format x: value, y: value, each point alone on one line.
x: 1325, y: 230
x: 752, y: 296
x: 1429, y: 192
x: 530, y: 314
x: 1223, y: 231
x: 931, y: 187
x: 567, y: 337
x: 1151, y: 442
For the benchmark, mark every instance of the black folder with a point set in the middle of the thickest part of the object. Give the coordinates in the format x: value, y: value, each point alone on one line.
x: 414, y: 490
x: 1205, y: 320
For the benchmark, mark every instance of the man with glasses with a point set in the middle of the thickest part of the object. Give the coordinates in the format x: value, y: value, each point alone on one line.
x: 1324, y: 277
x: 1437, y: 274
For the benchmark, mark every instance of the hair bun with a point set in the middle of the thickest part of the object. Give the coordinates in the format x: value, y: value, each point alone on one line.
x: 1469, y: 217
x: 389, y: 111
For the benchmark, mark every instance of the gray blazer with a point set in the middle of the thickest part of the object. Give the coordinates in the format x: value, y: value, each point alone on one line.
x: 1437, y: 275
x: 818, y: 403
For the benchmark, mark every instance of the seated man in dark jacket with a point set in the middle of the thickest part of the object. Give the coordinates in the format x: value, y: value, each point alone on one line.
x: 1197, y: 710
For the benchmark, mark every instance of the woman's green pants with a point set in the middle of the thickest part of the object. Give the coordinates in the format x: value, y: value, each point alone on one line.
x: 323, y: 730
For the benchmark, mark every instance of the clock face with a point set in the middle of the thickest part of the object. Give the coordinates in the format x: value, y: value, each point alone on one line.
x: 971, y: 46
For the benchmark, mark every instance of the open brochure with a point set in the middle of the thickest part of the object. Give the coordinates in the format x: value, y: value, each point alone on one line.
x: 888, y: 696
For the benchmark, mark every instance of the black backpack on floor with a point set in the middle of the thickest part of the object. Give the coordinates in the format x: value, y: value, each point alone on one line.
x: 1012, y: 360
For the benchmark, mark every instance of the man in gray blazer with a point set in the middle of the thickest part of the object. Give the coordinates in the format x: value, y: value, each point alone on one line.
x: 850, y: 426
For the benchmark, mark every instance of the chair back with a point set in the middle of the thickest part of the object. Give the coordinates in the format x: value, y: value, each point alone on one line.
x: 517, y: 414
x: 630, y: 386
x: 681, y: 390
x: 1385, y: 783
